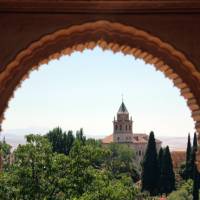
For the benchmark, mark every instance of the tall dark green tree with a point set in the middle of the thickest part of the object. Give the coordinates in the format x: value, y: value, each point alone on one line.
x: 193, y: 157
x: 186, y: 172
x: 150, y: 167
x: 167, y: 176
x: 192, y: 163
x: 195, y: 189
x: 55, y: 137
x: 195, y: 144
x: 61, y: 141
x: 68, y: 141
x: 160, y: 161
x: 80, y: 136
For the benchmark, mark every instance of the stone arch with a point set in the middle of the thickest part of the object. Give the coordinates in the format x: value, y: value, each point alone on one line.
x: 108, y: 35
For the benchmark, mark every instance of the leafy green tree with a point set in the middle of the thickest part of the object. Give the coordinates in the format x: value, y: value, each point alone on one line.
x: 183, y: 193
x: 105, y: 189
x: 150, y: 167
x: 122, y: 161
x: 37, y: 172
x: 85, y: 159
x: 8, y: 189
x: 167, y: 176
x: 5, y: 153
x: 94, y: 142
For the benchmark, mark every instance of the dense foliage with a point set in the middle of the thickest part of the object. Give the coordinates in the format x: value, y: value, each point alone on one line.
x: 183, y: 193
x: 5, y: 151
x: 61, y: 166
x: 88, y: 171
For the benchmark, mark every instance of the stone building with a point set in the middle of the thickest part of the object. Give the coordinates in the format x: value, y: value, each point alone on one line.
x: 123, y: 134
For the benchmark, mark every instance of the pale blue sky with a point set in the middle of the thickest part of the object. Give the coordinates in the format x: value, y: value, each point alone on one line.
x: 84, y: 90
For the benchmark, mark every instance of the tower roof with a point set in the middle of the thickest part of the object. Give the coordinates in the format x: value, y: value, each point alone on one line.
x: 122, y: 108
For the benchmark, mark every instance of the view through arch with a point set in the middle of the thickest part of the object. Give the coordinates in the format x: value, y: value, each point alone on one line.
x: 118, y: 76
x: 108, y: 35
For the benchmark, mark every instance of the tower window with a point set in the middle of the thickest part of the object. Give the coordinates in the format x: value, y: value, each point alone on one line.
x: 116, y: 127
x: 118, y: 138
x: 129, y: 127
x: 126, y: 127
x: 120, y: 127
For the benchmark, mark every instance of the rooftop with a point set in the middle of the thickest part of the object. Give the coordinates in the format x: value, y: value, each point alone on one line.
x: 138, y: 138
x: 122, y: 108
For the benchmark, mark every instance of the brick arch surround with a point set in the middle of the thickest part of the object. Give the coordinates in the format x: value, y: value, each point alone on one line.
x: 108, y: 35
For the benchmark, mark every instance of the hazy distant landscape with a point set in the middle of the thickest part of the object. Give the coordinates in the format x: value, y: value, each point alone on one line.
x: 16, y: 137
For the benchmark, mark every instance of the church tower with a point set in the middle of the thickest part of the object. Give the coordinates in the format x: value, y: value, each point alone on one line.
x: 122, y: 127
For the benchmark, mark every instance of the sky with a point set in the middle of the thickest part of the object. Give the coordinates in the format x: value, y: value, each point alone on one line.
x: 84, y: 90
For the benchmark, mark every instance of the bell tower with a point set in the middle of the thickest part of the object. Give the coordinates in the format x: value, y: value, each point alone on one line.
x: 122, y: 126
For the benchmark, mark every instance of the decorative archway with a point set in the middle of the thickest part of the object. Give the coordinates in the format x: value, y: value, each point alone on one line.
x: 108, y: 35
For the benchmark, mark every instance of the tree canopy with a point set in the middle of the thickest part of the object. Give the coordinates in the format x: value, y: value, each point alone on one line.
x: 86, y: 172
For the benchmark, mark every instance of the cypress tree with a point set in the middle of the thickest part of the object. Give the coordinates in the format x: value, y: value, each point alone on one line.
x: 193, y: 157
x: 195, y: 142
x: 192, y: 163
x: 160, y: 161
x: 188, y: 158
x: 160, y: 157
x: 150, y: 167
x: 195, y: 189
x: 167, y: 177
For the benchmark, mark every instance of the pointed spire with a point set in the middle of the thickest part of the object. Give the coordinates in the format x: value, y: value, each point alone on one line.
x: 122, y: 108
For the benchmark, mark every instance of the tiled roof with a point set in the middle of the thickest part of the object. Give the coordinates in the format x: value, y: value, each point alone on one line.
x: 108, y: 139
x: 142, y: 138
x: 138, y: 138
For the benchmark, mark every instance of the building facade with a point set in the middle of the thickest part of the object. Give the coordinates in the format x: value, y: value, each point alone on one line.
x: 123, y: 134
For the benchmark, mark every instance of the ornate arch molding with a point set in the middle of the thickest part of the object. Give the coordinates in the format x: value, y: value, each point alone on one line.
x: 108, y: 35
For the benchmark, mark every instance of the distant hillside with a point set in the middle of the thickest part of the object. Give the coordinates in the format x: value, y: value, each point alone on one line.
x: 174, y: 143
x: 16, y: 137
